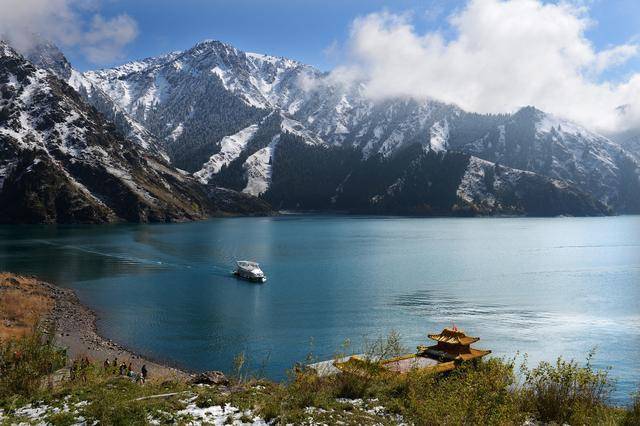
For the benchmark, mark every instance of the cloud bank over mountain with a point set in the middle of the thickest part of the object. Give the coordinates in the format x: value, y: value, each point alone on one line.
x: 502, y: 55
x: 68, y: 23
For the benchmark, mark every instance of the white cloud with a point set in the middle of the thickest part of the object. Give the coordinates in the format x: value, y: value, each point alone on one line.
x: 504, y: 55
x: 69, y: 24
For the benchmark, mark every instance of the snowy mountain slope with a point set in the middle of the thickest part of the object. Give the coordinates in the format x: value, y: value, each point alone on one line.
x: 343, y: 115
x: 486, y: 187
x: 258, y: 169
x: 193, y: 99
x: 230, y: 149
x: 199, y: 101
x: 61, y: 162
x: 251, y: 151
x: 261, y: 81
x: 533, y: 140
x: 47, y: 56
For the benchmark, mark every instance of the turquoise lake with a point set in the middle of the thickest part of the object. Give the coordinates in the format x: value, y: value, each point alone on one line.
x: 545, y: 287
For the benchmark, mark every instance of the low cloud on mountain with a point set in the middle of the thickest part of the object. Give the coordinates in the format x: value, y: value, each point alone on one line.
x: 68, y: 23
x: 502, y: 55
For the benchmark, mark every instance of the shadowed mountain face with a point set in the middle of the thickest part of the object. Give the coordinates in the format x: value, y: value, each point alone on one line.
x: 62, y: 162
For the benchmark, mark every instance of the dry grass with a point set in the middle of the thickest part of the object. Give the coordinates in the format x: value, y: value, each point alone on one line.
x: 23, y: 301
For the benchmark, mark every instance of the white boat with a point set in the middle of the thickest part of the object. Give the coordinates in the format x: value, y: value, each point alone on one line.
x: 249, y: 271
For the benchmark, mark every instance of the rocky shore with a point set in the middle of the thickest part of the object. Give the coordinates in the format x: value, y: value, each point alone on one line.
x: 75, y: 326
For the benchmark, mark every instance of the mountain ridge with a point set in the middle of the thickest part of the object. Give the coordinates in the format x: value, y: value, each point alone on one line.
x: 223, y: 114
x: 62, y: 162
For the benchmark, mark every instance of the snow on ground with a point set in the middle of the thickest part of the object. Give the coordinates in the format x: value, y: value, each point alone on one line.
x: 368, y: 149
x: 230, y: 148
x: 247, y: 90
x: 217, y: 415
x: 391, y: 144
x: 79, y: 82
x: 296, y: 128
x: 37, y: 414
x: 258, y: 169
x: 439, y: 136
x: 473, y: 187
x: 549, y: 122
x: 472, y: 184
x: 371, y: 408
x: 177, y: 132
x: 4, y: 171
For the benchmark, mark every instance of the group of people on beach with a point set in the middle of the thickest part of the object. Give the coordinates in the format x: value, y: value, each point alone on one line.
x: 124, y: 369
x: 80, y: 366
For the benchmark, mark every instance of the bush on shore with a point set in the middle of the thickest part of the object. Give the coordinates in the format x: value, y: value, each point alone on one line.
x: 25, y: 361
x: 633, y: 415
x: 566, y: 392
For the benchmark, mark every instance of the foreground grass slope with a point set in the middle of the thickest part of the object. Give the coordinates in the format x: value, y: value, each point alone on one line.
x: 34, y: 390
x: 37, y: 387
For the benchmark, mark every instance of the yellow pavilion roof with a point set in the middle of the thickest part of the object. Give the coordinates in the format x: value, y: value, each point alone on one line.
x: 453, y: 337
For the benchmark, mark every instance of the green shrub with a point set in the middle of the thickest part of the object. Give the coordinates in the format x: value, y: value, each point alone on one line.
x: 632, y: 417
x: 62, y: 419
x: 566, y: 392
x: 476, y: 393
x: 25, y: 361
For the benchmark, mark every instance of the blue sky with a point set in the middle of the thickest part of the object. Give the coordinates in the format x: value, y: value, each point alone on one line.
x: 303, y: 29
x: 579, y: 59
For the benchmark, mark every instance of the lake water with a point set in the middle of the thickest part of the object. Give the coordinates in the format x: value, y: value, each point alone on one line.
x: 547, y: 287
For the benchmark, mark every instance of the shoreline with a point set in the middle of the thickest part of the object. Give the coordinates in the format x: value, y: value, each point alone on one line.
x: 76, y: 330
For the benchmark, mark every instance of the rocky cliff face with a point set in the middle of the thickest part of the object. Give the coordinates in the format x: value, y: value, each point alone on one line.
x: 62, y: 162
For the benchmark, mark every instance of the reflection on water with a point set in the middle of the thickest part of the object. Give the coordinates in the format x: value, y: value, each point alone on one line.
x: 546, y: 287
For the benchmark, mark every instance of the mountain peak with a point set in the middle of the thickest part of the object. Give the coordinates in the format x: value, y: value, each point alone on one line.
x: 216, y: 45
x: 6, y: 50
x: 46, y: 55
x: 529, y: 111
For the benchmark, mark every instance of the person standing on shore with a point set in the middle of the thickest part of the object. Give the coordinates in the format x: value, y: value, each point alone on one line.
x: 84, y: 367
x: 144, y: 372
x: 73, y: 369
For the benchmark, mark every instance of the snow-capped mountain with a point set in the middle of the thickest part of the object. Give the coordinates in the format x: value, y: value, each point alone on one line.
x: 299, y: 138
x: 191, y: 100
x: 215, y: 109
x: 62, y: 162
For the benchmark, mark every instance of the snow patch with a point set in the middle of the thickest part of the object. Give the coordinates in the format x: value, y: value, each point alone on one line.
x: 296, y: 128
x: 177, y: 132
x: 230, y: 148
x: 258, y: 169
x: 439, y: 136
x: 392, y: 143
x: 218, y: 415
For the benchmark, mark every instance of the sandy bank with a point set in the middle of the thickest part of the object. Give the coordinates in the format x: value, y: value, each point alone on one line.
x: 75, y: 325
